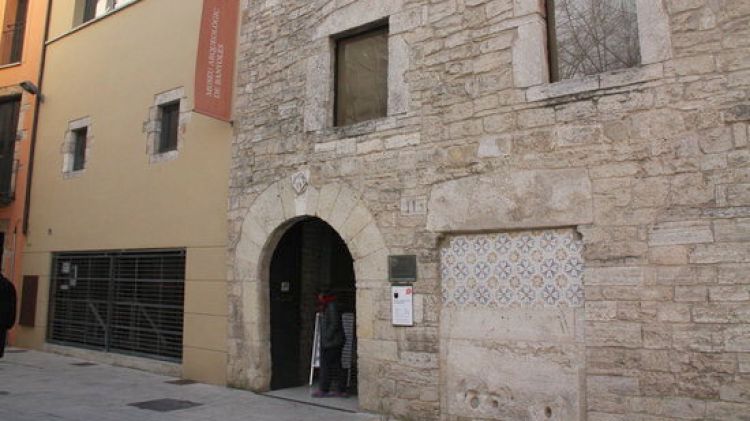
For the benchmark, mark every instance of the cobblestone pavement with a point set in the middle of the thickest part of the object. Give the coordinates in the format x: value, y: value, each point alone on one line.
x: 36, y: 386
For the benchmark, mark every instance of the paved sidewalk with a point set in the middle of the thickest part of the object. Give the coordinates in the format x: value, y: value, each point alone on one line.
x: 36, y: 386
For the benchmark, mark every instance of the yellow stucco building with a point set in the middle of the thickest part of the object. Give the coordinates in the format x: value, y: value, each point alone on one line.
x: 128, y: 207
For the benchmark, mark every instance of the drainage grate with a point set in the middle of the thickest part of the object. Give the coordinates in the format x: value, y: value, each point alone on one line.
x: 82, y: 364
x: 165, y: 405
x: 181, y: 382
x: 15, y: 351
x: 4, y: 393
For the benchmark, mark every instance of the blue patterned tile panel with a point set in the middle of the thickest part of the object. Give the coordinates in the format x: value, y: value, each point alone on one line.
x: 525, y: 268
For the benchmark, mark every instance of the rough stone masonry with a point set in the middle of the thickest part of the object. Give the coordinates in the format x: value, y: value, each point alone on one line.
x: 515, y: 193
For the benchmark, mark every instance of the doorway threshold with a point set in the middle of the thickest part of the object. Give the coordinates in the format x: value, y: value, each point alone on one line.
x: 302, y: 394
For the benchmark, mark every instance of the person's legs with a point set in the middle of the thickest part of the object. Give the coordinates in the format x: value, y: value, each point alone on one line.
x: 337, y: 371
x: 3, y: 334
x: 326, y: 366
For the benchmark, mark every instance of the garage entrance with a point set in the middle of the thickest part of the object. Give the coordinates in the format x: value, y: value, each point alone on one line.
x: 310, y: 257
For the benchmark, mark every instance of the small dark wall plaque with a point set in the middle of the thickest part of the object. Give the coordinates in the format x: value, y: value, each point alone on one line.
x: 402, y: 269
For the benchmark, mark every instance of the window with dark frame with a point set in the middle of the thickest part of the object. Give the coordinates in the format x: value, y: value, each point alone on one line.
x: 79, y: 148
x: 92, y: 9
x: 361, y: 76
x: 9, y: 113
x: 14, y: 28
x: 89, y: 10
x: 170, y: 124
x: 590, y: 37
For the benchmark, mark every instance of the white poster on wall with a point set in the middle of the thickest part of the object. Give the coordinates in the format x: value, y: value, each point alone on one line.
x: 402, y: 305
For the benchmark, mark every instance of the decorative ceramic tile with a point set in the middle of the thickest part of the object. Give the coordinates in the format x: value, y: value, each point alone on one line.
x: 529, y: 268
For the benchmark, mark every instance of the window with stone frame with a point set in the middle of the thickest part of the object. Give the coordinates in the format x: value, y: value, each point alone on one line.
x: 166, y: 124
x: 169, y: 116
x: 591, y: 37
x: 76, y: 147
x: 361, y: 76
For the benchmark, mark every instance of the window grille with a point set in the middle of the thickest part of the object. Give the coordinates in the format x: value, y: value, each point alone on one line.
x: 126, y: 302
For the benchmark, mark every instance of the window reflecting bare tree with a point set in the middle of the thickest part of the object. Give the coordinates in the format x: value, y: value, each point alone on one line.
x: 592, y: 36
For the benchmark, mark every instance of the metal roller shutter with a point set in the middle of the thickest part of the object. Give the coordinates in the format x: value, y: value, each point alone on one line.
x: 128, y: 302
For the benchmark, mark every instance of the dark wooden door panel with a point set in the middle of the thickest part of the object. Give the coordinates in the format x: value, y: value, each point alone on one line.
x: 29, y: 292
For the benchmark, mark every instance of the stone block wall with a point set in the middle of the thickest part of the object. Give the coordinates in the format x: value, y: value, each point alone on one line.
x: 512, y: 325
x: 650, y: 165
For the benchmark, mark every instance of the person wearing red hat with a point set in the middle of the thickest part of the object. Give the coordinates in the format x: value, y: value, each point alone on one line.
x: 331, y: 344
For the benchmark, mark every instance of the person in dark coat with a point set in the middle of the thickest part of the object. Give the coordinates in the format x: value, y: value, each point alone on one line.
x: 7, y: 310
x: 331, y: 343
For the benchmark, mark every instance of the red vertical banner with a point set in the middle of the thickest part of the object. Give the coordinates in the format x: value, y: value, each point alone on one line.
x: 214, y: 70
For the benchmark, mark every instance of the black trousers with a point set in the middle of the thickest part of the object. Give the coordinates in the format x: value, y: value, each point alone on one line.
x: 330, y: 369
x: 3, y: 336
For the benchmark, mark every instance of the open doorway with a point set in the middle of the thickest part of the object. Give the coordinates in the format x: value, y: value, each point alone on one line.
x: 310, y: 257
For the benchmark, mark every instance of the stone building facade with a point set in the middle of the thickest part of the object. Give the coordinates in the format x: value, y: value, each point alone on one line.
x: 583, y: 246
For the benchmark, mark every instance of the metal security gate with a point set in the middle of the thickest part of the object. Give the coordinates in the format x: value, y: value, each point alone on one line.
x: 128, y: 302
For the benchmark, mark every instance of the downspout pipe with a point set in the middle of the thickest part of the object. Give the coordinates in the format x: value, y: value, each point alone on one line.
x: 35, y: 125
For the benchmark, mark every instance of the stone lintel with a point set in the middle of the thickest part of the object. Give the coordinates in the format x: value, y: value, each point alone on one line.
x: 512, y: 200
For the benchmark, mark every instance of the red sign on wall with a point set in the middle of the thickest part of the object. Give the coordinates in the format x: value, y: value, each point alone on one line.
x: 214, y: 74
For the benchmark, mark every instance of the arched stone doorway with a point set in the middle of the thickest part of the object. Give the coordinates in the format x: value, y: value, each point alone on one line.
x: 310, y: 257
x: 268, y: 217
